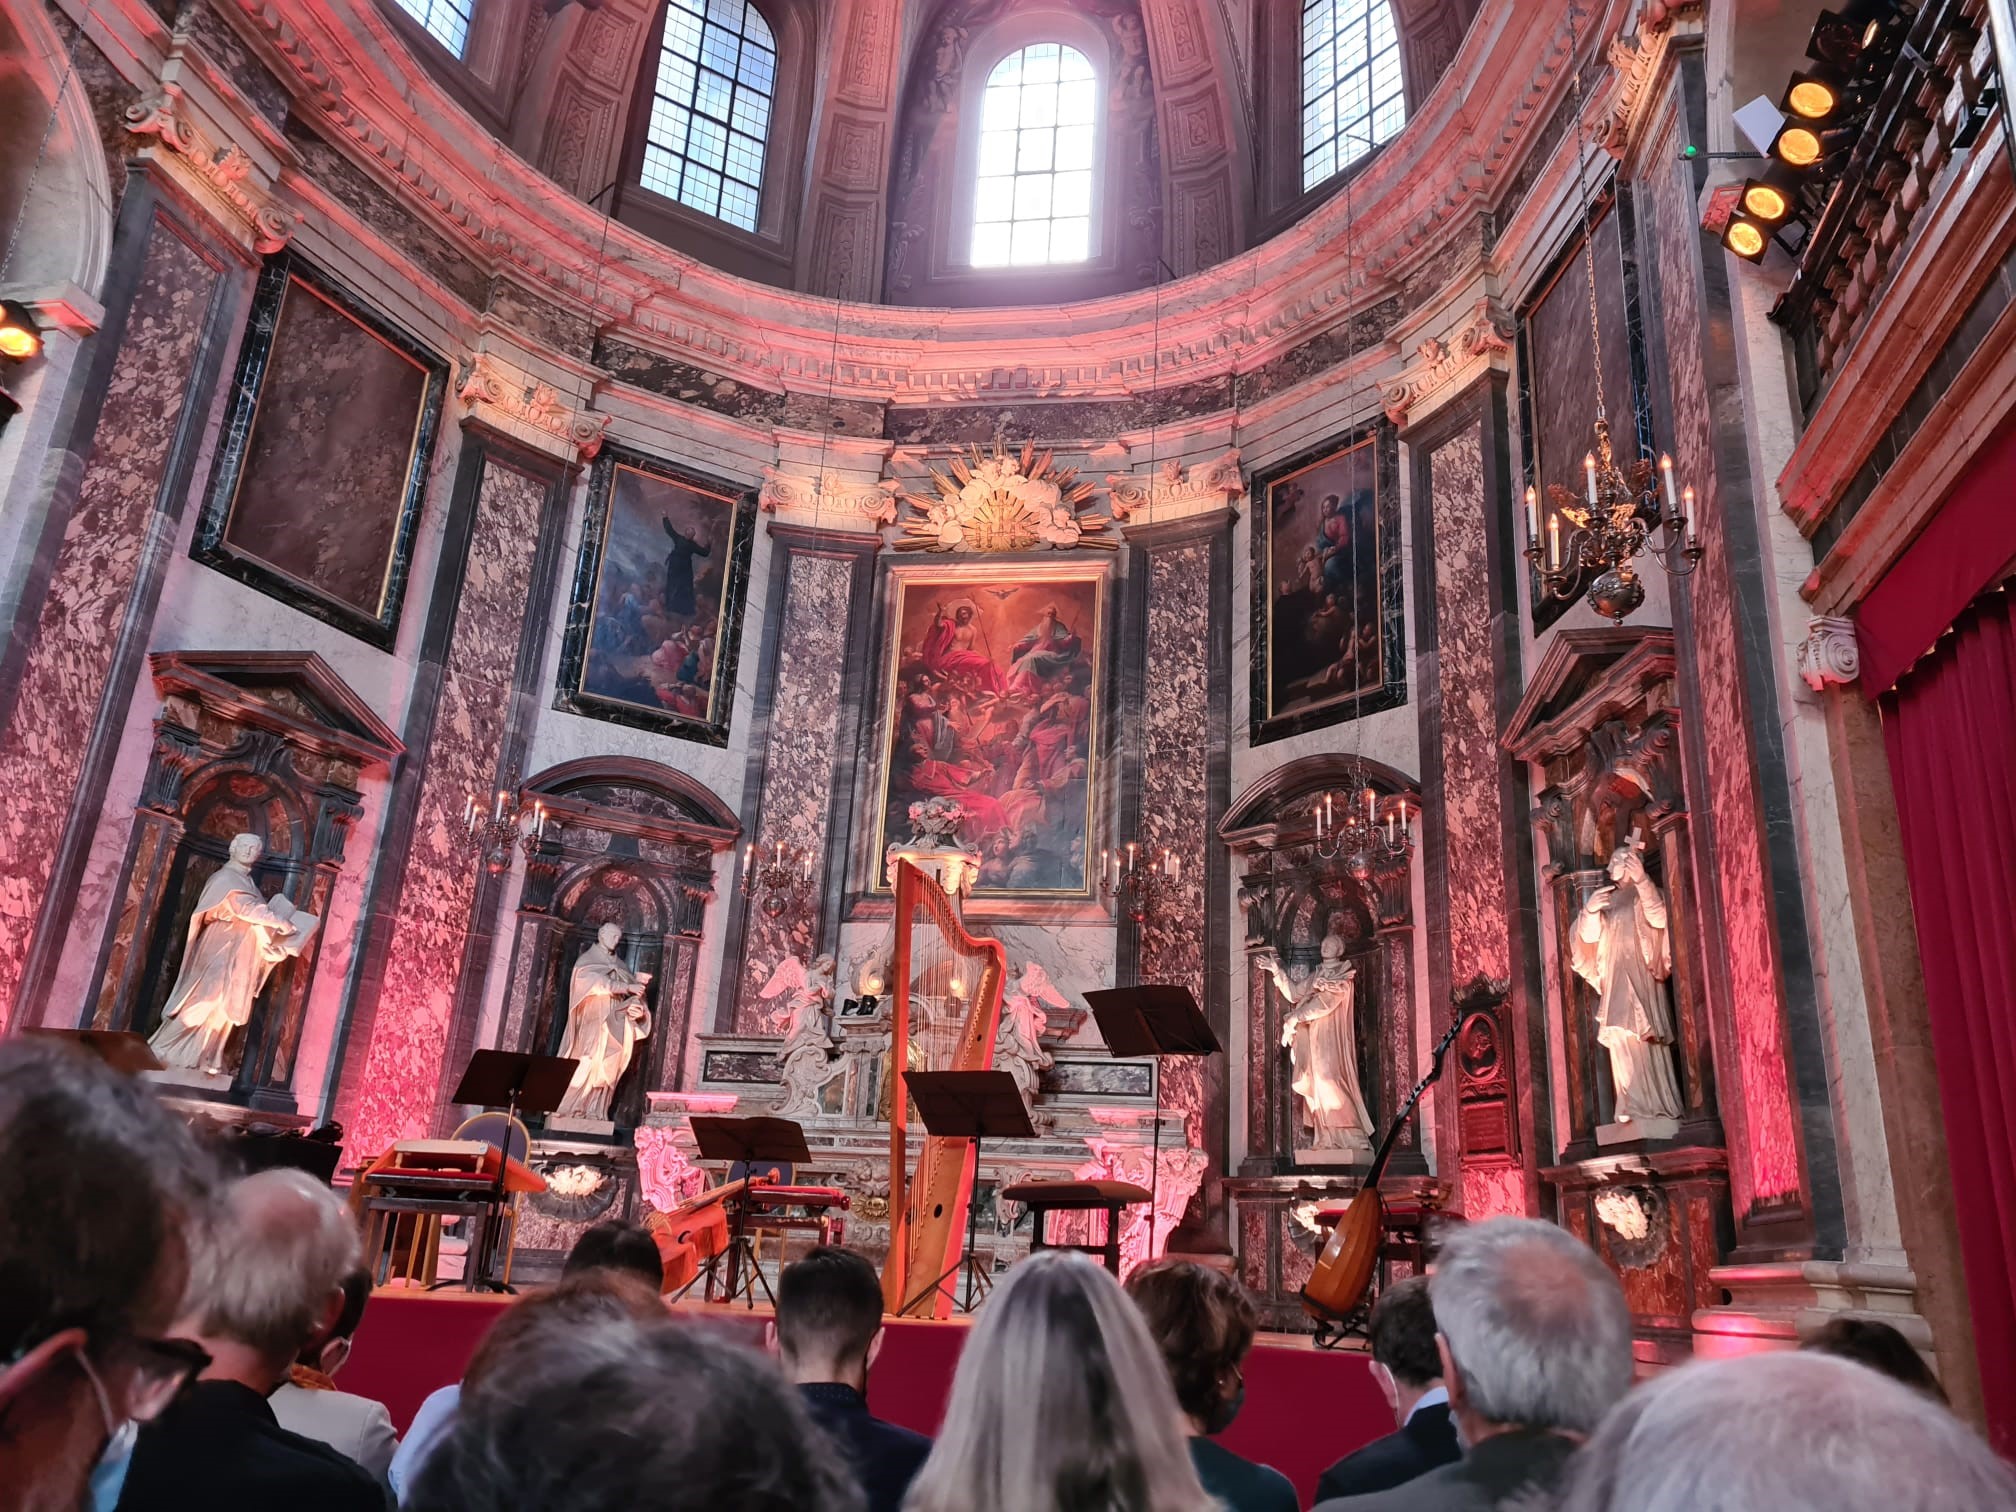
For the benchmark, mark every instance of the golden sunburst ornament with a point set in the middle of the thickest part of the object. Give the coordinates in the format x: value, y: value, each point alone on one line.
x: 1004, y: 502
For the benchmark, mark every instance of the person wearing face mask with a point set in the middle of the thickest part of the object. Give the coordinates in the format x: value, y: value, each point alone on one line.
x: 1408, y: 1369
x: 1203, y: 1323
x: 99, y: 1189
x: 309, y: 1404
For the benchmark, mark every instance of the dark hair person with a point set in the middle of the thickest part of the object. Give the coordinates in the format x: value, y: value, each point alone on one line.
x: 1203, y: 1323
x: 1880, y: 1347
x: 618, y: 1246
x: 1060, y: 1404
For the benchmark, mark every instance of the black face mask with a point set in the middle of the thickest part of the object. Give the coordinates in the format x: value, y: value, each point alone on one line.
x: 1226, y: 1410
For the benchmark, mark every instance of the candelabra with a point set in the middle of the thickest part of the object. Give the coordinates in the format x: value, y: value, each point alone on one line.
x: 1356, y: 830
x: 776, y: 876
x: 1610, y: 528
x: 1134, y: 882
x: 491, y: 830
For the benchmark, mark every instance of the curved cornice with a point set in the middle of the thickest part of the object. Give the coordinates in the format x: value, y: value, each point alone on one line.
x: 1421, y: 198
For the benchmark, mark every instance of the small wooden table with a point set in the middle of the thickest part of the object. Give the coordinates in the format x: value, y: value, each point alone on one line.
x: 1045, y: 1197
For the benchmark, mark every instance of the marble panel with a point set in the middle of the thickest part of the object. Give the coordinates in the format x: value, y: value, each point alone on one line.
x: 98, y: 563
x: 1053, y: 419
x: 253, y: 79
x: 797, y: 797
x: 1077, y: 1078
x: 672, y: 379
x: 108, y: 92
x: 1769, y: 1173
x: 1493, y: 1192
x: 396, y: 1094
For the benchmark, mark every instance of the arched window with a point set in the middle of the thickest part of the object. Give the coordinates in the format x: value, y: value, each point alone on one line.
x: 710, y: 113
x: 1352, y: 98
x: 446, y: 21
x: 1032, y: 201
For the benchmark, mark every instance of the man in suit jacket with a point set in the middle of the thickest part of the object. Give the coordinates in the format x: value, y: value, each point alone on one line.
x: 1408, y: 1368
x: 1535, y: 1343
x: 267, y: 1281
x: 827, y: 1334
x: 309, y: 1404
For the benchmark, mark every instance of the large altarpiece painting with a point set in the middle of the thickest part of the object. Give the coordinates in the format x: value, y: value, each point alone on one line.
x: 1328, y: 643
x: 992, y: 695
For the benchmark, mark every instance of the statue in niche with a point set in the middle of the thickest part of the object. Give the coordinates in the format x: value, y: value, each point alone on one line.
x: 1018, y: 1047
x: 236, y: 938
x: 1318, y: 1033
x: 606, y: 1017
x: 807, y: 1055
x: 1621, y: 947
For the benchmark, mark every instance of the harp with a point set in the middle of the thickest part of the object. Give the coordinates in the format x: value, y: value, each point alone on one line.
x: 945, y: 1001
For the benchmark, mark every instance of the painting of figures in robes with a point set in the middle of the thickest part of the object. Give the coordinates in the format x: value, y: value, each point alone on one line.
x: 994, y: 687
x: 1326, y: 634
x: 657, y: 604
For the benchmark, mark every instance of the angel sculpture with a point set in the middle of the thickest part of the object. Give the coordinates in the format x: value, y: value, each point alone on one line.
x: 1018, y: 1047
x: 807, y: 1046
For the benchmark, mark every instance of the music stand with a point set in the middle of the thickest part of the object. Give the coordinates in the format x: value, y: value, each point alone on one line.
x: 752, y: 1141
x: 120, y: 1049
x: 971, y: 1105
x: 523, y: 1084
x: 1155, y: 1019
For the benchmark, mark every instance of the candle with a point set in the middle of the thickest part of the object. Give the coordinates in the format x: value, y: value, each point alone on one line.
x: 1589, y: 471
x: 1687, y: 502
x: 1666, y: 473
x: 1371, y: 800
x: 1130, y: 855
x: 780, y: 853
x: 1175, y: 868
x: 469, y: 811
x: 542, y: 821
x: 748, y: 858
x: 1392, y: 828
x: 1553, y: 543
x: 500, y: 803
x: 1329, y: 814
x: 1532, y: 516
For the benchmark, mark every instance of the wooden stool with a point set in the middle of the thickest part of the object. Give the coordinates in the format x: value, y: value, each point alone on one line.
x: 1045, y: 1197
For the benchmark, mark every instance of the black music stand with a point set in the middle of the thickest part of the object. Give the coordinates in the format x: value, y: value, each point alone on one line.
x: 120, y: 1049
x: 971, y: 1105
x: 523, y: 1084
x: 1154, y: 1019
x: 753, y: 1142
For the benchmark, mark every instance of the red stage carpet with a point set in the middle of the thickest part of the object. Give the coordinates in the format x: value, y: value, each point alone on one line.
x: 1304, y: 1407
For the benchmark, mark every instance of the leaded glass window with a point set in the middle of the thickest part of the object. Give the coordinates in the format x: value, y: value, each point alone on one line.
x: 1352, y: 99
x: 1032, y: 201
x: 710, y: 111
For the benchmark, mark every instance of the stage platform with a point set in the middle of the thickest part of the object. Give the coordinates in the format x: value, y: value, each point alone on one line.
x: 1304, y: 1406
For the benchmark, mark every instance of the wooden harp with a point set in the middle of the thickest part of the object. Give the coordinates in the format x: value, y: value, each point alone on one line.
x: 940, y: 963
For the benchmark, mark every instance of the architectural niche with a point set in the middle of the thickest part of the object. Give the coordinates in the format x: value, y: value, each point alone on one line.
x: 260, y: 742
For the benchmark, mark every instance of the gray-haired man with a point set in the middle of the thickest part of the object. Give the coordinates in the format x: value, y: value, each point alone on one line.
x: 1535, y: 1342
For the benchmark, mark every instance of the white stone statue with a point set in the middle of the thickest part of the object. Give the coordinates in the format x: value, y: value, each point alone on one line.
x: 806, y: 1058
x: 1621, y: 947
x: 1317, y: 1030
x: 236, y: 938
x: 606, y: 1017
x: 1018, y: 1047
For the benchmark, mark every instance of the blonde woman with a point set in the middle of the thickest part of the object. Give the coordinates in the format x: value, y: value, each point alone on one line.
x: 1061, y: 1404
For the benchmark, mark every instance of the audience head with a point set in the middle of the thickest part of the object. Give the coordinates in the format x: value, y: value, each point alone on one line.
x: 1880, y: 1347
x: 328, y: 1350
x: 269, y: 1275
x: 829, y: 1317
x: 102, y: 1190
x: 1533, y: 1329
x: 1788, y: 1431
x: 618, y: 1414
x: 596, y: 1295
x: 1203, y: 1322
x: 1401, y: 1333
x: 618, y: 1246
x: 1060, y: 1402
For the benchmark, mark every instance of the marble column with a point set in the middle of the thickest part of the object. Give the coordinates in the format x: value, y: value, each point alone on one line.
x: 173, y: 295
x: 815, y: 683
x: 427, y: 929
x: 1476, y: 851
x: 1769, y: 1053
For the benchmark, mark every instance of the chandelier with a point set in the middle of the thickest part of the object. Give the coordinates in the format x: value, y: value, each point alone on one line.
x: 1136, y: 882
x: 776, y: 876
x: 1359, y: 831
x: 1613, y: 523
x: 490, y: 830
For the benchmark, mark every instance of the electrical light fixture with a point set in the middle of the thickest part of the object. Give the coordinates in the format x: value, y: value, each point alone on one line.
x: 20, y: 337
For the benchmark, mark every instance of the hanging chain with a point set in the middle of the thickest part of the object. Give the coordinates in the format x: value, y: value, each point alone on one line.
x: 1588, y: 228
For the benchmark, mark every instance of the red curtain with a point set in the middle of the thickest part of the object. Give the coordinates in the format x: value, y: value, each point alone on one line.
x: 1950, y: 726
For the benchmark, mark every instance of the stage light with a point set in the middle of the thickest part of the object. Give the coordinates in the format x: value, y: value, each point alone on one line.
x: 1797, y: 145
x: 1812, y: 96
x: 19, y: 337
x: 1765, y: 202
x: 1745, y: 238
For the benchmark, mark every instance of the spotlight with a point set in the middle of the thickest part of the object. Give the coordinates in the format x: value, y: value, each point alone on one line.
x: 1812, y: 96
x: 1745, y: 238
x: 1797, y: 145
x: 1773, y: 198
x: 19, y: 337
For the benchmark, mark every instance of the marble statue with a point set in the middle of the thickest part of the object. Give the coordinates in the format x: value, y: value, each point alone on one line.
x: 606, y: 1017
x: 1018, y: 1044
x: 1317, y: 1030
x: 1620, y: 946
x: 236, y: 938
x: 807, y: 1055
